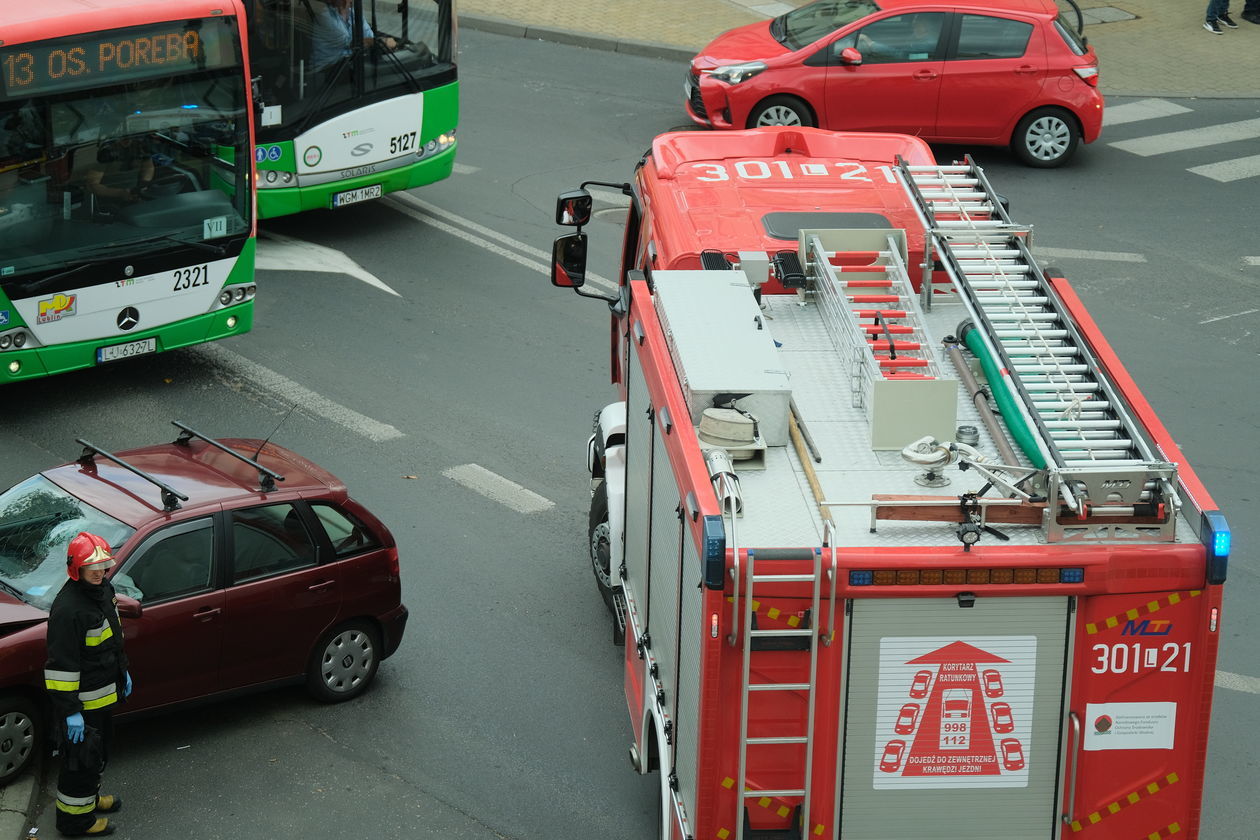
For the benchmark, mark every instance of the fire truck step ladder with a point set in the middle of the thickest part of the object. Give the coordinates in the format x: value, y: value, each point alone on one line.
x: 1099, y: 459
x: 750, y: 635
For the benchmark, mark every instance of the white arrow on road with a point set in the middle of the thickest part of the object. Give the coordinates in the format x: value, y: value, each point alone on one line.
x: 277, y: 252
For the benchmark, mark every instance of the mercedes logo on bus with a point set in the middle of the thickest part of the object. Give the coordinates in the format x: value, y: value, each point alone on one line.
x: 128, y: 318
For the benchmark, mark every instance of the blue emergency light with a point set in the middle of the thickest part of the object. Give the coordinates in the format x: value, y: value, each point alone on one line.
x: 1071, y: 575
x: 714, y: 536
x: 1215, y: 534
x: 864, y: 577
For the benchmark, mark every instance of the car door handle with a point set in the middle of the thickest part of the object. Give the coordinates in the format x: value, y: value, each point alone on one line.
x: 207, y: 614
x: 1025, y: 70
x: 925, y: 75
x: 324, y: 584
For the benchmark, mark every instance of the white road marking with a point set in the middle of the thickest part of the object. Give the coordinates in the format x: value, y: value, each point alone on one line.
x: 1194, y: 138
x: 260, y: 376
x: 1225, y: 317
x: 1077, y: 254
x: 1251, y: 260
x: 496, y: 488
x: 423, y: 211
x: 277, y: 252
x: 1230, y: 170
x: 1251, y: 685
x: 1143, y: 109
x: 465, y: 169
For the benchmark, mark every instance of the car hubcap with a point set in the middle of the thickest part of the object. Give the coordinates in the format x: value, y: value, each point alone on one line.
x: 601, y: 555
x: 779, y: 115
x: 347, y: 660
x: 1048, y: 138
x: 17, y: 736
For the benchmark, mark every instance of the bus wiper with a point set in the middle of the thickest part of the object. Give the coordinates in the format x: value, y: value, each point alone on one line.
x: 217, y: 250
x: 35, y: 287
x: 415, y: 86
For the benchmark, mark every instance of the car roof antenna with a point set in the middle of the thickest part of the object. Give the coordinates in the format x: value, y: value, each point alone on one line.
x: 273, y: 431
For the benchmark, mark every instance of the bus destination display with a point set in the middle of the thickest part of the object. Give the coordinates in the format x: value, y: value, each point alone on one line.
x: 117, y: 56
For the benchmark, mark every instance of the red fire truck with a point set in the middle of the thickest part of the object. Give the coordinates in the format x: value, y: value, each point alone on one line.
x: 895, y: 546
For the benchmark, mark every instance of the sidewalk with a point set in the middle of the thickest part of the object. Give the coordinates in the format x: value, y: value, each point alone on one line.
x: 1145, y: 47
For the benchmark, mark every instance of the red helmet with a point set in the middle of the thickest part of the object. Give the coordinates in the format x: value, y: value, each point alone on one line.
x: 87, y: 550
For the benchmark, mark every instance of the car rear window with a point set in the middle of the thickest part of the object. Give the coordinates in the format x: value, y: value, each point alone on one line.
x: 37, y: 521
x: 346, y: 533
x: 982, y: 36
x: 1074, y: 40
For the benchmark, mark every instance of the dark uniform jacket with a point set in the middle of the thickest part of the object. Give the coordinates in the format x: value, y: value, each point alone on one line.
x: 86, y: 662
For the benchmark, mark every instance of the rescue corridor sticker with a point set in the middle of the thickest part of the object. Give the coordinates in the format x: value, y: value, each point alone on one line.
x: 954, y: 712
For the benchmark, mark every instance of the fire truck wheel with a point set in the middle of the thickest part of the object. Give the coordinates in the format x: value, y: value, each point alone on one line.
x: 601, y: 546
x: 343, y: 663
x: 781, y: 110
x: 1046, y: 138
x: 19, y: 736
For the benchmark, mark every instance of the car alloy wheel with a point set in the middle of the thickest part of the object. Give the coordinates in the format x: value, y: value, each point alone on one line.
x: 779, y: 115
x: 781, y: 110
x: 18, y: 733
x: 1046, y: 138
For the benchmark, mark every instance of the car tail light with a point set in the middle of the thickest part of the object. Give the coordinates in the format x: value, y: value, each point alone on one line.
x: 1089, y: 75
x: 394, y: 571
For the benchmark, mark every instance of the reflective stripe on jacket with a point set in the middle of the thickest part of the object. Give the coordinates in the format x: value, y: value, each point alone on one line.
x: 86, y: 661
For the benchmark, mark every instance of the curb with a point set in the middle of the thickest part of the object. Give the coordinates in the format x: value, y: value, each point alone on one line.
x: 654, y: 49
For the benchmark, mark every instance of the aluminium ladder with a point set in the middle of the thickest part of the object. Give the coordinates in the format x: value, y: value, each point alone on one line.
x: 1097, y: 456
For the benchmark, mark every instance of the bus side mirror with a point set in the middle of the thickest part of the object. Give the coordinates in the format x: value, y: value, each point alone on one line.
x: 573, y: 209
x: 850, y: 56
x: 568, y: 261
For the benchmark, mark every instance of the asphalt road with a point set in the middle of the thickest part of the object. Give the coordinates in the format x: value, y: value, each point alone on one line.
x: 502, y: 714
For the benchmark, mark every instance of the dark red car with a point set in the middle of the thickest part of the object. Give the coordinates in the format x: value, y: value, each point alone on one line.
x: 240, y: 565
x: 987, y: 72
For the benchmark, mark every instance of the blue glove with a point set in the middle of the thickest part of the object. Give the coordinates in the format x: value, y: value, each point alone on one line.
x: 127, y: 687
x: 74, y: 727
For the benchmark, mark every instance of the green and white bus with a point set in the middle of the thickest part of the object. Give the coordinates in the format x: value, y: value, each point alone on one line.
x: 126, y: 212
x: 354, y: 99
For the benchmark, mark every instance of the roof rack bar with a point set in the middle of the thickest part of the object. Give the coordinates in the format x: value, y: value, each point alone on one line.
x: 266, y: 478
x: 170, y: 497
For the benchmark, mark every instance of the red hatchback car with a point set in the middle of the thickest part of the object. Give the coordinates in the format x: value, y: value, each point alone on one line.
x: 240, y: 565
x: 991, y: 73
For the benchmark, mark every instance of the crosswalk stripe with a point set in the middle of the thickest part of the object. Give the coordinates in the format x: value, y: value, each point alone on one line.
x: 1194, y: 138
x: 1143, y: 109
x: 1230, y: 170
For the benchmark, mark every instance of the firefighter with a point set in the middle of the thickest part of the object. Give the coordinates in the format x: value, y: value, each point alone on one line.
x: 86, y: 675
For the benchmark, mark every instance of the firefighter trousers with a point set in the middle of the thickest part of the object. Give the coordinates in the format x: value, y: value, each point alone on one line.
x: 82, y: 764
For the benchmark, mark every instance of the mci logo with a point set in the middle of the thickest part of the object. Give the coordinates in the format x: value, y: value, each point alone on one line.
x: 1147, y: 627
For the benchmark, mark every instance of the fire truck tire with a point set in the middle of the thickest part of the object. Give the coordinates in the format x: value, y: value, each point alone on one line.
x: 1046, y: 138
x: 781, y: 110
x: 20, y: 736
x: 344, y: 662
x: 600, y: 543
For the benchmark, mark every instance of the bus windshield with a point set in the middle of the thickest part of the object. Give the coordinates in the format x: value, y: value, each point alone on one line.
x: 128, y: 141
x: 311, y: 65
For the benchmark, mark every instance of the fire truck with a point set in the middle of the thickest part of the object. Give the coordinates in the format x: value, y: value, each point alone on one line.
x: 895, y: 546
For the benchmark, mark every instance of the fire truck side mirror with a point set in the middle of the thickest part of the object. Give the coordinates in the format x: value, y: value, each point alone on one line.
x: 568, y: 261
x: 573, y: 209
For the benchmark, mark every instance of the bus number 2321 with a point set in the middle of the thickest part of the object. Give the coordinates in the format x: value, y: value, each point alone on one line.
x: 187, y: 278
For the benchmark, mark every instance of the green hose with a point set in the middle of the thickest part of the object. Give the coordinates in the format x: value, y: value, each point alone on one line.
x: 1005, y: 400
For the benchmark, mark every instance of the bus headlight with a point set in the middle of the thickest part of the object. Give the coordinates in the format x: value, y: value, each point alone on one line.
x: 15, y: 366
x: 19, y: 340
x: 225, y: 297
x: 286, y: 177
x: 240, y: 294
x: 6, y: 341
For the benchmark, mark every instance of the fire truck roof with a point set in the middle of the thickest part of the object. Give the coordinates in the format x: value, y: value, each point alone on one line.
x: 755, y: 190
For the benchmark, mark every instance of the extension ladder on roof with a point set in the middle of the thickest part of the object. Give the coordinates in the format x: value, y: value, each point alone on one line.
x: 1099, y: 459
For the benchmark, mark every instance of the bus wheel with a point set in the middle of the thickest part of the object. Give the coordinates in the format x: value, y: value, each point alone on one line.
x: 600, y: 542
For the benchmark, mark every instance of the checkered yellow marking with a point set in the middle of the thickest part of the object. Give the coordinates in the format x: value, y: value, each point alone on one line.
x: 1133, y: 614
x: 773, y: 613
x: 767, y: 803
x: 1132, y: 799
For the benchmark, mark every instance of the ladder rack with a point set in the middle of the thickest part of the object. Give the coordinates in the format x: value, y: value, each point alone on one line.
x: 1097, y: 457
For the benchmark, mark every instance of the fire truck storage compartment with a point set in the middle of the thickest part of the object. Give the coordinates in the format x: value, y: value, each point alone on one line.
x: 721, y: 344
x: 663, y: 572
x: 992, y: 775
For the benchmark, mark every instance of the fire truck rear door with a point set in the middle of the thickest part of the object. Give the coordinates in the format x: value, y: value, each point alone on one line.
x: 952, y: 718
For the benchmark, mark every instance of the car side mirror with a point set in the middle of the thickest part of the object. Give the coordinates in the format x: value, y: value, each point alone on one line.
x: 850, y: 56
x: 573, y: 209
x: 568, y: 261
x: 128, y: 607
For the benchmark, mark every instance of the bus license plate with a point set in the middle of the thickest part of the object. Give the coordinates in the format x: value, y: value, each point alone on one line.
x: 353, y: 196
x: 125, y: 351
